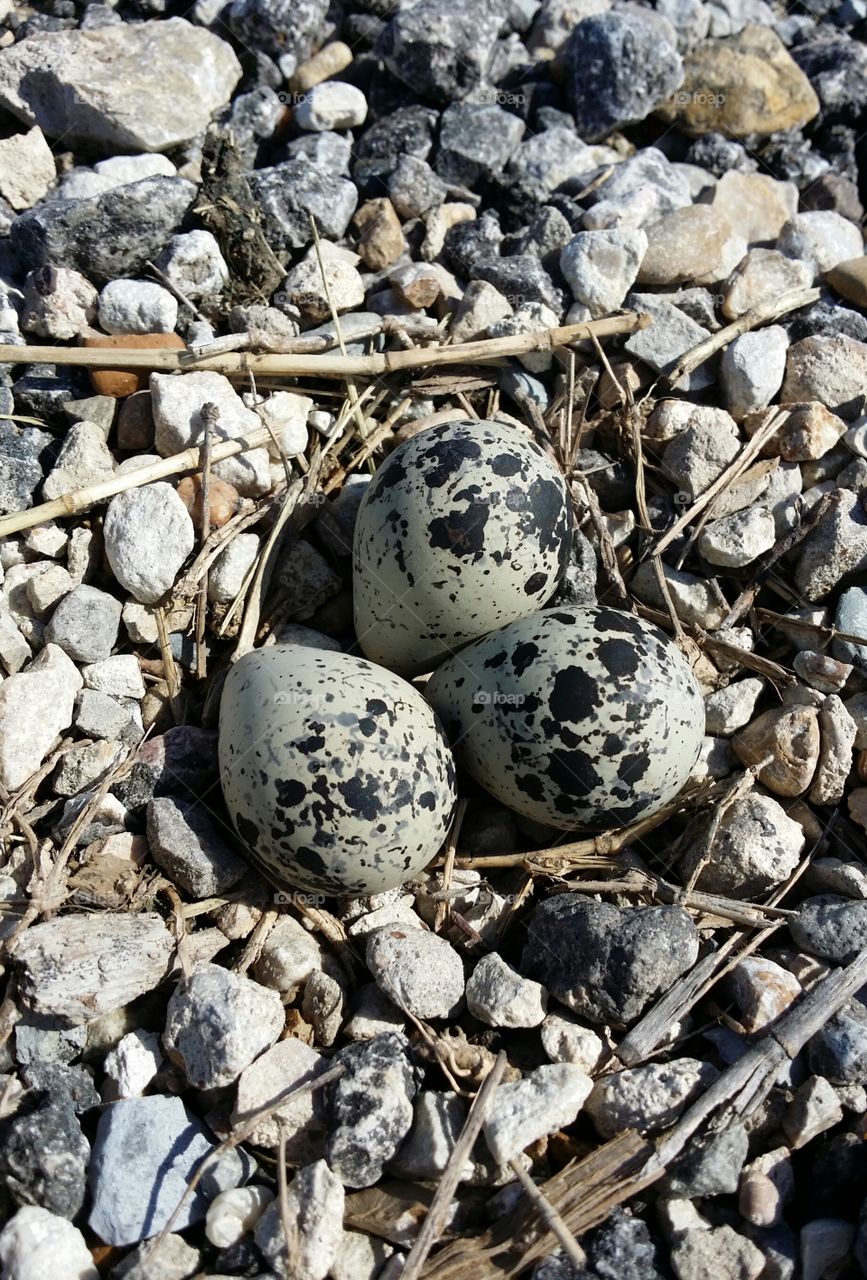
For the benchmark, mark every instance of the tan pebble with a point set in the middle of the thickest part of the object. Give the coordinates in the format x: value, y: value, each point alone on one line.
x: 438, y: 223
x: 380, y: 239
x: 849, y: 279
x: 757, y: 205
x: 417, y: 284
x: 762, y: 276
x: 329, y: 61
x: 695, y: 244
x: 223, y: 499
x: 790, y: 735
x: 745, y: 84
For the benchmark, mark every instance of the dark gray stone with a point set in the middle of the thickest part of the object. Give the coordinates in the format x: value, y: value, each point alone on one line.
x: 620, y: 68
x: 59, y: 1079
x: 182, y: 761
x: 476, y: 141
x: 605, y: 962
x: 85, y: 624
x: 370, y: 1107
x: 288, y: 194
x: 831, y: 927
x: 839, y: 1051
x: 409, y: 131
x: 520, y: 278
x: 186, y: 844
x: 106, y: 236
x: 712, y: 1165
x: 414, y: 188
x: 470, y: 242
x: 21, y: 451
x: 43, y: 1157
x: 276, y: 27
x: 623, y: 1249
x: 441, y: 51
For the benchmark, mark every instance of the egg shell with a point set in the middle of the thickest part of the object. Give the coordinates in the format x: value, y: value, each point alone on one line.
x: 464, y: 528
x: 574, y: 717
x: 335, y: 772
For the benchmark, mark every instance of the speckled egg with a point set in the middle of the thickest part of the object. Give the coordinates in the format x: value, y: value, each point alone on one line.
x: 574, y: 717
x: 336, y: 773
x: 464, y: 528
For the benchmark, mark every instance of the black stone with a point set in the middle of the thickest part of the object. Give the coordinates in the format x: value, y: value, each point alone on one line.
x: 440, y: 51
x: 44, y: 1156
x: 469, y: 242
x: 521, y: 279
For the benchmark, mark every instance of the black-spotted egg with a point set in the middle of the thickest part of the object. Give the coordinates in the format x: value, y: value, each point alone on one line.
x: 464, y: 528
x: 336, y: 773
x: 574, y: 717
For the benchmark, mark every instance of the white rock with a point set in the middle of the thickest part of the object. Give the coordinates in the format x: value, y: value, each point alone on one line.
x: 420, y: 972
x: 814, y: 1109
x: 42, y: 697
x: 118, y: 675
x: 647, y: 1098
x: 729, y: 709
x: 500, y: 997
x: 756, y: 846
x: 602, y: 266
x: 14, y: 649
x: 26, y: 168
x: 46, y: 540
x: 35, y: 1244
x: 532, y: 317
x: 84, y: 458
x: 529, y: 1109
x: 564, y: 1039
x: 752, y: 369
x: 822, y: 238
x: 372, y: 1014
x: 287, y: 1063
x: 132, y: 1064
x: 481, y: 306
x: 289, y: 955
x: 234, y: 1213
x: 228, y: 571
x: 140, y: 622
x: 177, y: 401
x: 218, y: 1022
x: 400, y: 912
x: 671, y: 417
x: 148, y: 535
x: 694, y: 601
x: 286, y: 412
x: 314, y: 1205
x: 331, y: 105
x: 763, y: 990
x: 360, y: 1257
x: 304, y: 288
x: 148, y: 87
x: 125, y: 169
x: 193, y: 263
x: 738, y: 539
x: 437, y: 1122
x: 700, y: 454
x: 720, y: 1252
x: 137, y: 306
x: 48, y: 588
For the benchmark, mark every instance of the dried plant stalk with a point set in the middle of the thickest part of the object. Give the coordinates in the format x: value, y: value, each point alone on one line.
x: 317, y: 366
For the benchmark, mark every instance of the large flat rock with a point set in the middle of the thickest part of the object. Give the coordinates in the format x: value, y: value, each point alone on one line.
x: 145, y: 87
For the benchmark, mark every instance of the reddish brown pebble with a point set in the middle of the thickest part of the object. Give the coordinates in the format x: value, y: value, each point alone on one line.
x: 223, y: 499
x: 380, y: 239
x: 124, y: 382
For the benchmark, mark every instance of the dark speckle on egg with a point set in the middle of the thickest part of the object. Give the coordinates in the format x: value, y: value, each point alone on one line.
x: 464, y: 528
x: 574, y: 718
x: 336, y: 773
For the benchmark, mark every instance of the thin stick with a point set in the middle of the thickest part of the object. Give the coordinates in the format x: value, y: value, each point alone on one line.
x: 764, y: 314
x: 78, y: 500
x: 163, y: 361
x: 210, y: 414
x: 443, y: 909
x: 437, y: 1214
x: 550, y: 1216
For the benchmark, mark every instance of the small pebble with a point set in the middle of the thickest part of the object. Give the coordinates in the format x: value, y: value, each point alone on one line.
x: 529, y: 1109
x: 420, y: 972
x: 500, y: 997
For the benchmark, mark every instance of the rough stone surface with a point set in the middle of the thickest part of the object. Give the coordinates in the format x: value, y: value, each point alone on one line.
x: 186, y: 845
x: 713, y: 98
x: 647, y: 1098
x: 178, y: 401
x: 85, y: 624
x: 148, y: 535
x: 602, y: 266
x: 756, y: 846
x: 696, y: 244
x: 287, y: 1063
x: 142, y: 87
x: 369, y: 1108
x: 137, y: 306
x: 420, y: 972
x: 26, y: 168
x: 42, y: 696
x: 500, y: 997
x: 217, y: 1023
x: 820, y: 238
x: 836, y: 547
x: 144, y: 1154
x: 529, y: 1109
x: 752, y: 369
x: 603, y: 962
x: 621, y: 66
x: 736, y: 540
x: 827, y: 368
x: 831, y: 927
x: 35, y: 1243
x: 314, y: 1206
